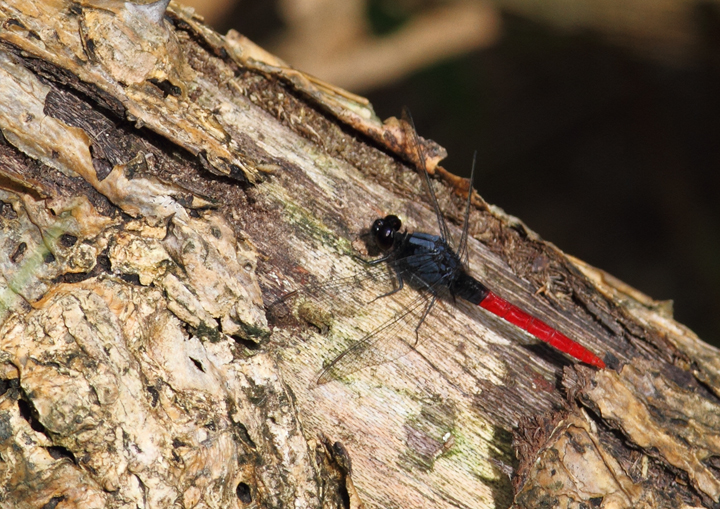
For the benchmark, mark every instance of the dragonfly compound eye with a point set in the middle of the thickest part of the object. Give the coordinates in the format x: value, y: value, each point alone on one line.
x: 383, y: 230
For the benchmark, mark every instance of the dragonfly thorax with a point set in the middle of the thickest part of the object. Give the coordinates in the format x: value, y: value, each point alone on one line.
x: 426, y: 261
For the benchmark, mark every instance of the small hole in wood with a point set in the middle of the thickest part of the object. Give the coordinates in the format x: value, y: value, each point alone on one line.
x: 198, y: 364
x: 243, y: 493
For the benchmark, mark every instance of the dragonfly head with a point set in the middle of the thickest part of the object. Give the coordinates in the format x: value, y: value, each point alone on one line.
x: 384, y: 230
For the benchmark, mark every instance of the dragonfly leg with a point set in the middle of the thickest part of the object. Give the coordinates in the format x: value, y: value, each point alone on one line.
x: 422, y: 318
x: 395, y: 290
x: 376, y: 261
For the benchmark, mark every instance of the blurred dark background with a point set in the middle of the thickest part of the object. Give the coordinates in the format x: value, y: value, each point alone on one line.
x: 599, y: 132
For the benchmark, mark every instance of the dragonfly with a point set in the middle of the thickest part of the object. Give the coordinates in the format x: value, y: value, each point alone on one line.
x: 434, y: 270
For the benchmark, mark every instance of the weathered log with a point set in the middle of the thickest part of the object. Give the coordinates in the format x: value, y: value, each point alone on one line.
x: 158, y: 181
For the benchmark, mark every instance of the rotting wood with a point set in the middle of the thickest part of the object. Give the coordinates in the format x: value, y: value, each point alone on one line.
x: 157, y: 180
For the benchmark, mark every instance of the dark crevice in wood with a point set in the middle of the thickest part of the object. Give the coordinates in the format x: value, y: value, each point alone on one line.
x: 243, y: 492
x: 59, y: 452
x: 133, y: 279
x: 102, y: 266
x: 64, y: 78
x: 166, y: 87
x: 198, y: 364
x: 7, y: 211
x: 53, y: 502
x: 243, y: 434
x: 67, y: 240
x: 7, y: 385
x: 49, y: 180
x: 29, y: 413
x: 154, y: 395
x: 18, y: 253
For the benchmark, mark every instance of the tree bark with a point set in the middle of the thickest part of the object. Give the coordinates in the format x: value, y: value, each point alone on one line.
x: 160, y: 184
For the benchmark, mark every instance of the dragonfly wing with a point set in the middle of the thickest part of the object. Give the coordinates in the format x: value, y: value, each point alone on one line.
x: 413, y: 137
x: 337, y: 297
x: 372, y: 290
x: 345, y: 295
x: 391, y: 340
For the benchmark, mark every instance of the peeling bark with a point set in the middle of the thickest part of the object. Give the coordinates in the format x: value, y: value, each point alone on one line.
x: 160, y: 184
